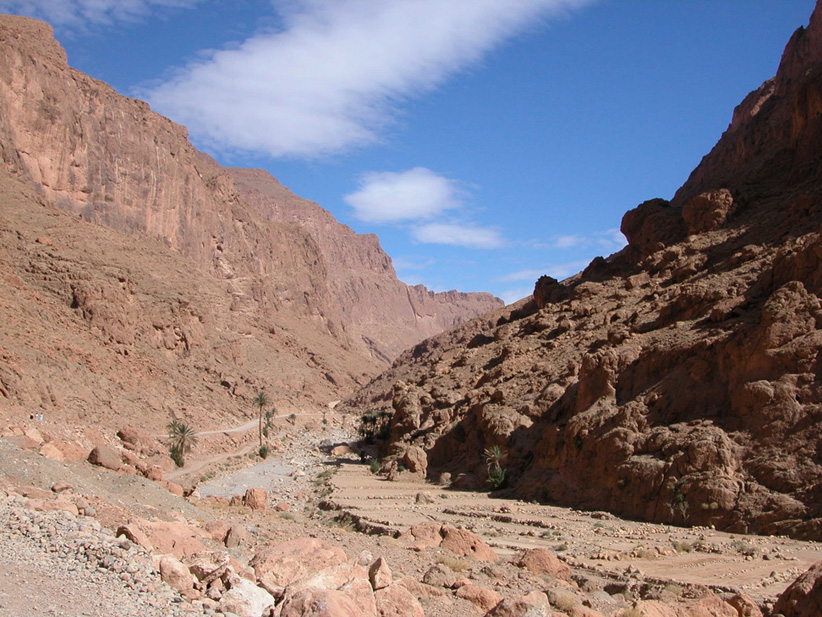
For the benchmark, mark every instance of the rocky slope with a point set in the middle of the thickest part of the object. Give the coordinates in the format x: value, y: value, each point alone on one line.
x: 676, y: 381
x: 139, y: 281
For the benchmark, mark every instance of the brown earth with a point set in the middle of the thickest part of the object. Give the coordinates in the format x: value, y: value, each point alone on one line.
x: 677, y: 381
x: 141, y: 284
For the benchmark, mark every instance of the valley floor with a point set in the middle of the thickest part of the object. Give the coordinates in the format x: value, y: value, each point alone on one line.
x: 313, y: 493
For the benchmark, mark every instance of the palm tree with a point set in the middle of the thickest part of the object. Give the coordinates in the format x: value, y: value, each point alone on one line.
x: 181, y: 438
x: 261, y: 400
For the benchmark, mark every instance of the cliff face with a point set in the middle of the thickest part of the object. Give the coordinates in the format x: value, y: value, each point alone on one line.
x: 384, y: 315
x: 679, y: 380
x: 219, y: 297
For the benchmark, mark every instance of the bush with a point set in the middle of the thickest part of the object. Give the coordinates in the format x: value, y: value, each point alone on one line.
x: 263, y: 451
x: 374, y: 465
x: 496, y: 476
x: 176, y: 456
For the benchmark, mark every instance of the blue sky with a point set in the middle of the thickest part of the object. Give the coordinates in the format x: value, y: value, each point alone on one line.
x: 485, y: 142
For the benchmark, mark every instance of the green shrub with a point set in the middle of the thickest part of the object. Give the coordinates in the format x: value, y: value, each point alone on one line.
x: 263, y: 451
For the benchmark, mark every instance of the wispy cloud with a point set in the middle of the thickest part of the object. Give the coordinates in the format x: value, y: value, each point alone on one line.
x: 419, y: 193
x: 467, y: 236
x: 336, y: 74
x: 608, y: 241
x: 80, y: 13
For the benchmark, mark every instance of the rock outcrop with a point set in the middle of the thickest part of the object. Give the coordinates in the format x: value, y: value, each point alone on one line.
x: 677, y: 381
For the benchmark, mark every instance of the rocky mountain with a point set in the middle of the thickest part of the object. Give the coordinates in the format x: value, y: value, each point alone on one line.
x: 143, y: 280
x: 382, y: 313
x: 677, y: 381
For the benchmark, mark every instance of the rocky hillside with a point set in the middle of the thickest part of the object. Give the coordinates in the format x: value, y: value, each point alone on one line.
x: 676, y: 381
x: 141, y: 282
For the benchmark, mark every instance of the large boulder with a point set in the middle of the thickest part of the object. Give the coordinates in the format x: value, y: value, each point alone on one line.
x: 652, y: 226
x: 256, y: 498
x: 534, y: 604
x: 543, y: 561
x: 176, y: 575
x: 467, y: 543
x: 105, y: 457
x: 279, y: 565
x: 396, y: 601
x: 321, y: 603
x: 245, y: 599
x: 803, y: 598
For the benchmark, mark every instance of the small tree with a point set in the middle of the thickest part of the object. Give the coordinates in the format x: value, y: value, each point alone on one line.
x: 493, y: 460
x: 181, y: 438
x: 261, y: 400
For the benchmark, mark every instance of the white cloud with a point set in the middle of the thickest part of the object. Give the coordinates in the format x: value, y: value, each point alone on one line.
x: 335, y: 75
x: 418, y: 193
x: 79, y: 13
x: 467, y: 236
x: 567, y: 242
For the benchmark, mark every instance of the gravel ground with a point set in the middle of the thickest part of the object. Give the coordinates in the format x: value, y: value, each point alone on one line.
x: 55, y: 564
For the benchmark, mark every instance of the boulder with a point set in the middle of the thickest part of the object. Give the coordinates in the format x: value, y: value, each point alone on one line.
x: 176, y: 575
x: 423, y: 534
x: 208, y: 566
x: 652, y: 226
x: 133, y: 533
x: 397, y: 601
x: 803, y: 598
x: 130, y: 436
x: 256, y: 498
x: 548, y: 290
x: 379, y: 574
x: 279, y: 565
x: 49, y: 450
x: 440, y: 575
x: 416, y: 460
x: 464, y: 542
x: 217, y: 530
x: 105, y: 457
x: 483, y: 598
x: 244, y: 599
x: 534, y: 604
x: 237, y: 536
x: 543, y: 561
x: 321, y: 603
x: 744, y: 605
